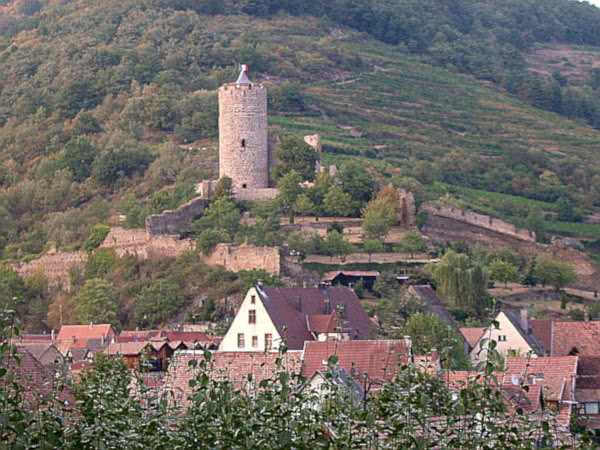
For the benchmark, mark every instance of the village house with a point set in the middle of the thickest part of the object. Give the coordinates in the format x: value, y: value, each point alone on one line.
x: 370, y: 362
x: 350, y: 278
x: 513, y: 336
x: 136, y: 354
x: 556, y: 375
x: 271, y: 316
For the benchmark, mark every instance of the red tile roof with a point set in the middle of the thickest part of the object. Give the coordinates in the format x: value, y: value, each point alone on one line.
x: 576, y: 338
x: 542, y: 331
x: 472, y: 335
x: 324, y: 323
x: 282, y: 307
x: 233, y: 366
x: 378, y: 359
x: 85, y: 331
x: 556, y: 374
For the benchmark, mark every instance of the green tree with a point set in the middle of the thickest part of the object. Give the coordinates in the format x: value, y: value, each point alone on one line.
x: 535, y: 221
x: 223, y: 189
x: 428, y: 332
x: 378, y: 217
x: 97, y: 235
x: 371, y: 246
x: 530, y: 279
x: 289, y: 188
x: 413, y: 242
x: 12, y: 289
x: 337, y: 202
x: 335, y: 245
x: 503, y: 271
x: 357, y: 182
x: 100, y: 263
x: 295, y: 154
x: 459, y: 280
x: 78, y: 157
x: 304, y: 205
x: 157, y: 303
x: 207, y: 240
x: 556, y: 274
x: 222, y: 215
x: 86, y: 124
x: 97, y: 302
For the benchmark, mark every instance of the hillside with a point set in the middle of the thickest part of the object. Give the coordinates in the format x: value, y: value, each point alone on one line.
x: 108, y: 111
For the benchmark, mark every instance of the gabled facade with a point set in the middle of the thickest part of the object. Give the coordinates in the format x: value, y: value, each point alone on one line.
x: 270, y: 316
x: 513, y: 337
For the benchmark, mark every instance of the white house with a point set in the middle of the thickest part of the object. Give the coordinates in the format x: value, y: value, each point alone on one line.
x: 269, y: 316
x: 513, y: 337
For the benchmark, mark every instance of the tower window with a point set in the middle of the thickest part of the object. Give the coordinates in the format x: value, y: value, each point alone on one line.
x: 243, y: 142
x: 244, y: 186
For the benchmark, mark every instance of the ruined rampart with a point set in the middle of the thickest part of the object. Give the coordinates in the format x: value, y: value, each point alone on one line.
x: 246, y: 257
x: 178, y: 220
x: 255, y: 194
x: 450, y: 223
x: 143, y: 245
x: 54, y: 265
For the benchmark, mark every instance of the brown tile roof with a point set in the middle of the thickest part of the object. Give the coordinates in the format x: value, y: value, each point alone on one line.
x: 36, y: 380
x: 472, y: 335
x: 542, y: 331
x: 91, y: 331
x: 126, y: 348
x: 233, y: 366
x: 379, y: 359
x: 580, y: 338
x: 330, y: 276
x: 282, y: 307
x: 556, y: 374
x: 135, y: 335
x: 37, y: 349
x: 186, y: 336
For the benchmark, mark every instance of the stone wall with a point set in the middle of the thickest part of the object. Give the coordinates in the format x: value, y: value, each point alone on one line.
x: 142, y: 245
x: 243, y: 140
x: 54, y: 265
x: 456, y: 216
x: 178, y: 220
x: 255, y: 194
x: 246, y: 257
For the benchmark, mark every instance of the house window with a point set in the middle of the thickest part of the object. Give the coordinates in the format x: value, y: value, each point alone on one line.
x: 254, y: 341
x: 512, y: 352
x: 252, y: 316
x: 590, y: 407
x: 241, y: 343
x: 268, y: 340
x: 502, y: 338
x: 243, y: 142
x: 253, y: 299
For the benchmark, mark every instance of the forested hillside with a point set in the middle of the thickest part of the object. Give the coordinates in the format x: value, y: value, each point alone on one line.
x: 108, y: 107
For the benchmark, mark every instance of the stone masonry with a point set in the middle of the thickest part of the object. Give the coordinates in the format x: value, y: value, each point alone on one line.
x: 54, y: 265
x: 178, y: 220
x: 246, y: 257
x: 243, y: 149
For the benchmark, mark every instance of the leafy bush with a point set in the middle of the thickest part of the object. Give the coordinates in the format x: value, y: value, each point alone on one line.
x: 97, y: 235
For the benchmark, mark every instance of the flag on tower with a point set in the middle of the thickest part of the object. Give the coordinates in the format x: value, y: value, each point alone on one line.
x: 244, y: 68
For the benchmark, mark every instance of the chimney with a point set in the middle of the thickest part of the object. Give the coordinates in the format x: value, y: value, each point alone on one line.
x: 52, y: 336
x: 524, y: 321
x: 102, y: 340
x: 327, y: 305
x: 586, y: 317
x: 91, y: 325
x: 299, y: 304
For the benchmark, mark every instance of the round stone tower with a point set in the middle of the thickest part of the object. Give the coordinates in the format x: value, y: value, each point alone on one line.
x: 243, y: 152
